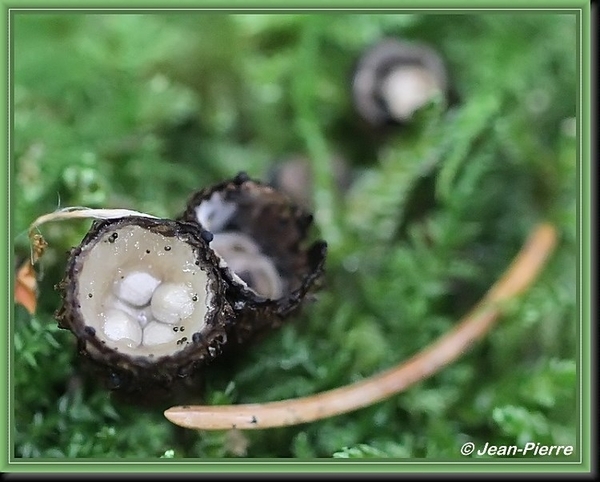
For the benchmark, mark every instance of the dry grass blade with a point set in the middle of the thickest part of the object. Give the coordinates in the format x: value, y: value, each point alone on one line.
x: 39, y: 244
x: 516, y: 279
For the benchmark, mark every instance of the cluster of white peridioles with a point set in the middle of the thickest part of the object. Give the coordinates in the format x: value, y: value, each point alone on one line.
x: 144, y: 311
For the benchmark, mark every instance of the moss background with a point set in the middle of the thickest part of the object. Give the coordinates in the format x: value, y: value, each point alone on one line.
x: 139, y: 111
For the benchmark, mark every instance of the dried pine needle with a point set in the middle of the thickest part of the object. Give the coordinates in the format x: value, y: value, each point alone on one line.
x: 516, y: 279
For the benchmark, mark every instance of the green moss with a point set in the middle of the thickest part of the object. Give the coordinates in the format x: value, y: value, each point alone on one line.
x: 139, y: 111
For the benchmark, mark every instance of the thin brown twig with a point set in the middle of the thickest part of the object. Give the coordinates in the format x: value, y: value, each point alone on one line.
x: 516, y: 279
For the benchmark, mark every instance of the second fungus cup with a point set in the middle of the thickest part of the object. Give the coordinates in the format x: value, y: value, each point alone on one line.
x: 261, y: 238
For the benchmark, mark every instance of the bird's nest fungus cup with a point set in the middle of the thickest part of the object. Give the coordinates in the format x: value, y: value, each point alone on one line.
x: 151, y: 300
x: 261, y: 239
x: 395, y: 78
x: 144, y: 297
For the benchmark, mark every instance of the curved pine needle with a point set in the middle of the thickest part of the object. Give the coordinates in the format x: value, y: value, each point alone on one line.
x: 516, y: 279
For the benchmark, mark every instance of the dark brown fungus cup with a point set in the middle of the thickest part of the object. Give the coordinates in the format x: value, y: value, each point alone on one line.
x: 262, y: 240
x: 395, y: 78
x: 145, y: 299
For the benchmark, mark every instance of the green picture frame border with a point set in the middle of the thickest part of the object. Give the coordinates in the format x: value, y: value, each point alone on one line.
x: 582, y: 10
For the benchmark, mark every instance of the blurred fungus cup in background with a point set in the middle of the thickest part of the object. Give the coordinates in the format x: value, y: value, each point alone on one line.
x: 152, y: 300
x: 395, y: 78
x: 266, y: 258
x: 293, y: 176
